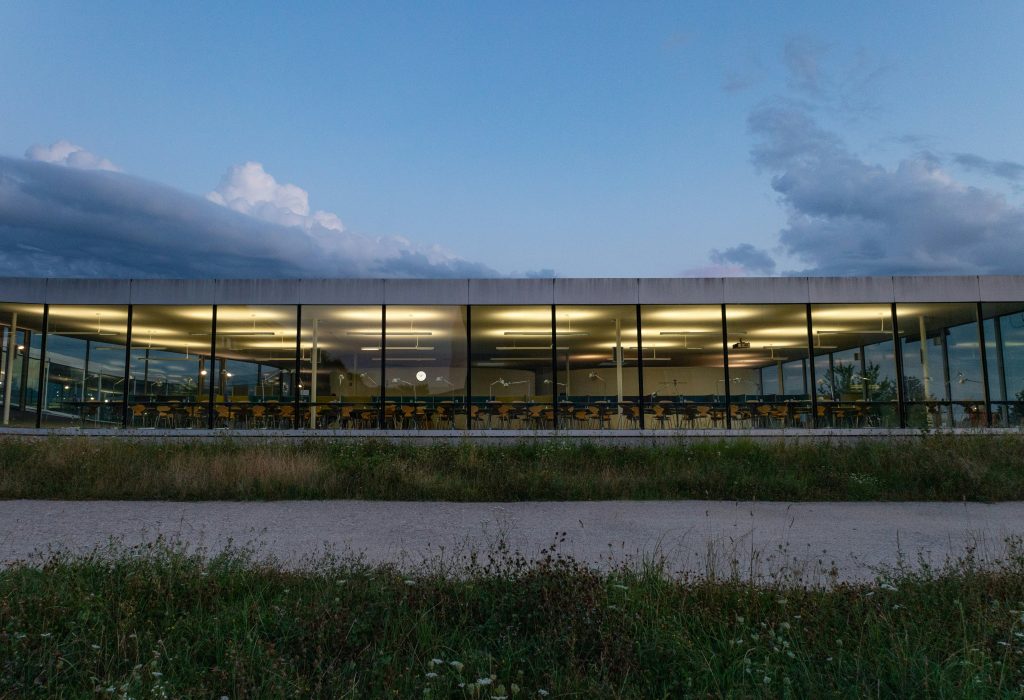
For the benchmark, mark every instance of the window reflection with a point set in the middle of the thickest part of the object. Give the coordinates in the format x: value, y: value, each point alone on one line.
x: 855, y: 365
x: 83, y: 373
x: 1004, y: 344
x: 769, y: 373
x: 942, y: 376
x: 255, y: 366
x: 19, y: 362
x: 169, y: 367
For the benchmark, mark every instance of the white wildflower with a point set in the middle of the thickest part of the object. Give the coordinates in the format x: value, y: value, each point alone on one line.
x: 457, y: 665
x: 483, y: 681
x: 436, y: 662
x: 431, y: 674
x: 888, y: 587
x: 409, y: 582
x: 541, y: 692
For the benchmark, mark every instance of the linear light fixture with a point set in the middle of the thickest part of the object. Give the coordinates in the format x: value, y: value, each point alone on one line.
x: 521, y: 359
x: 560, y: 334
x: 528, y: 347
x: 376, y: 348
x: 405, y: 359
x: 390, y: 333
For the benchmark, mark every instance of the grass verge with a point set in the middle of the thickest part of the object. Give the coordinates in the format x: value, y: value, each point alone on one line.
x: 157, y: 621
x: 929, y: 468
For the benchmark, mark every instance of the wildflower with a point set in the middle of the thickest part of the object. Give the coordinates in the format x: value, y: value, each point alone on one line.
x: 514, y: 688
x: 409, y: 582
x: 767, y: 680
x: 457, y: 665
x: 156, y: 674
x: 620, y: 586
x: 790, y: 654
x: 541, y: 692
x: 95, y: 646
x: 784, y: 625
x: 888, y: 587
x: 483, y: 681
x: 436, y: 662
x: 431, y: 674
x: 111, y: 689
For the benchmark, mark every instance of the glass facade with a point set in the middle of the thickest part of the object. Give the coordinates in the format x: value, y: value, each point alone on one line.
x: 769, y: 382
x: 83, y: 367
x: 515, y: 367
x: 22, y: 326
x: 943, y: 384
x: 683, y: 367
x: 855, y: 365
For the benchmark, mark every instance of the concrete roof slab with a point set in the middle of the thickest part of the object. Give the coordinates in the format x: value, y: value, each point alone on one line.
x: 681, y: 290
x: 511, y: 291
x: 608, y: 290
x: 925, y: 289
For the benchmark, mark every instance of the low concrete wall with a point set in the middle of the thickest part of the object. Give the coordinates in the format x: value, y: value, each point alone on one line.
x: 505, y: 437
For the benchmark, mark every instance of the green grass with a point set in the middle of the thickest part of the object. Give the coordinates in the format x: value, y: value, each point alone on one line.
x: 926, y: 468
x: 157, y: 621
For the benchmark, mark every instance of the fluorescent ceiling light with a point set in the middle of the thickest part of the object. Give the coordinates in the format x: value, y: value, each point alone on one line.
x: 405, y: 359
x: 376, y: 348
x: 528, y: 347
x: 547, y: 333
x: 521, y: 359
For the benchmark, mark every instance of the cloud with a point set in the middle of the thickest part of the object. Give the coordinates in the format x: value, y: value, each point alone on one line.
x: 67, y: 221
x: 802, y: 57
x: 251, y: 190
x: 1006, y: 169
x: 66, y: 153
x: 750, y: 259
x: 850, y: 217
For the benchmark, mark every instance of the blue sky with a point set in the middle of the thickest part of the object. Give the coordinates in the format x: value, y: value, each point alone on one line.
x: 591, y: 139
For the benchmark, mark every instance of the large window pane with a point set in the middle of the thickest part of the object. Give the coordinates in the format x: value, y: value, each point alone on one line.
x: 510, y: 356
x: 425, y: 366
x: 169, y: 370
x: 941, y: 365
x: 83, y: 375
x: 597, y: 366
x: 855, y: 365
x: 1004, y: 344
x: 340, y: 368
x: 769, y: 373
x: 255, y: 363
x: 19, y: 363
x: 684, y: 369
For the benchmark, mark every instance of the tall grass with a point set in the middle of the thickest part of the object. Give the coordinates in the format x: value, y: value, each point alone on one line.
x: 944, y: 467
x: 157, y: 621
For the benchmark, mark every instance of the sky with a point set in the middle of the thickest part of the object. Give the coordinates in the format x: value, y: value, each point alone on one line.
x: 511, y: 139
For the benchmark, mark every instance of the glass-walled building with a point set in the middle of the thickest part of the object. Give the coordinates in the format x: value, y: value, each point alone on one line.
x: 527, y: 355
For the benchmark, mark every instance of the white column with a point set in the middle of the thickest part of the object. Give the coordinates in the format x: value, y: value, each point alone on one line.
x: 12, y: 347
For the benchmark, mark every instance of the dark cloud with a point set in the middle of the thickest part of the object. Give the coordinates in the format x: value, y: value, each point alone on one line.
x: 850, y: 217
x: 61, y: 221
x: 1005, y: 169
x: 752, y: 260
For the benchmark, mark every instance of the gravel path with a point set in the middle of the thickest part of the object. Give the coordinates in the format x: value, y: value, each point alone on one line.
x: 802, y: 541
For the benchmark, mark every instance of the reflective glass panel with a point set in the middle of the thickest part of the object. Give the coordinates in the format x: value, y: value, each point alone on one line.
x: 255, y: 367
x: 425, y: 366
x: 942, y: 376
x: 340, y: 348
x: 684, y: 368
x: 1004, y: 344
x: 83, y: 374
x: 510, y: 357
x: 769, y: 372
x: 855, y: 365
x: 169, y: 370
x: 597, y: 366
x: 19, y: 363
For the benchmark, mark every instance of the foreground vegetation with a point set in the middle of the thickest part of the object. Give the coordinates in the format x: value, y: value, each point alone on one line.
x: 937, y: 467
x: 157, y: 621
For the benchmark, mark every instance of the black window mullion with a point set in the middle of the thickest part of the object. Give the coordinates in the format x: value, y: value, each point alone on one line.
x: 469, y: 368
x: 725, y: 368
x: 127, y: 368
x: 296, y: 378
x: 901, y: 398
x: 639, y: 366
x: 984, y: 366
x: 554, y: 371
x: 212, y: 375
x: 811, y: 372
x: 41, y: 392
x: 383, y: 364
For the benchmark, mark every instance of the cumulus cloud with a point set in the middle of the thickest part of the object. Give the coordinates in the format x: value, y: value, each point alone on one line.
x: 745, y: 257
x: 847, y: 216
x: 1006, y: 169
x: 64, y: 152
x: 250, y: 189
x: 68, y: 221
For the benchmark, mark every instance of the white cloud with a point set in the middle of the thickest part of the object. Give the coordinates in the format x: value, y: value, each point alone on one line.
x: 64, y: 152
x: 249, y: 189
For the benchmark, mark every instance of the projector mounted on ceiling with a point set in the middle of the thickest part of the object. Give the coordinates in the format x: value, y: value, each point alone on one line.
x: 741, y: 345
